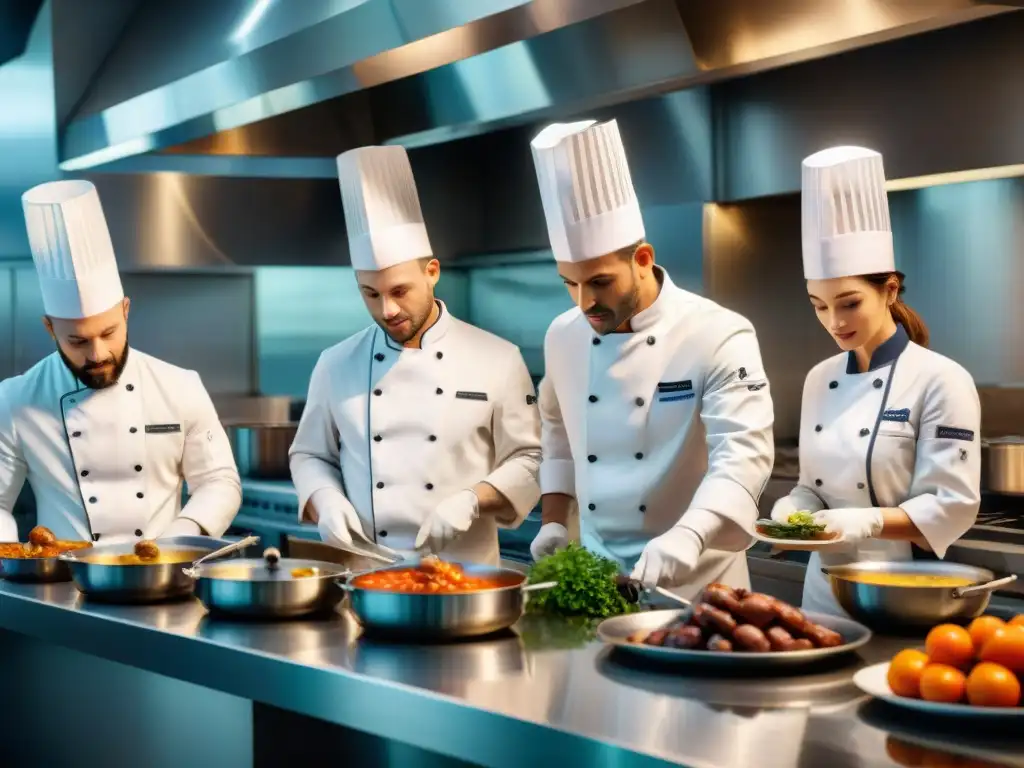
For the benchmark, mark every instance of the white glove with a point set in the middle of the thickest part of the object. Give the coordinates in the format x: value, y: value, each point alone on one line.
x: 448, y: 521
x: 782, y: 509
x: 182, y: 526
x: 852, y: 524
x: 338, y: 521
x: 669, y: 559
x: 551, y: 538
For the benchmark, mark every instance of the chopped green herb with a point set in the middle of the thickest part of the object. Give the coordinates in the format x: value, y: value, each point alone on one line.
x: 586, y: 585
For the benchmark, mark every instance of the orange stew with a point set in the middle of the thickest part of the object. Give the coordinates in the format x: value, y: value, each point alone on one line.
x: 430, y: 576
x: 22, y: 551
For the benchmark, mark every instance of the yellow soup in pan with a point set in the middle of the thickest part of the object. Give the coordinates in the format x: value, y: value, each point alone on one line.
x: 909, y: 579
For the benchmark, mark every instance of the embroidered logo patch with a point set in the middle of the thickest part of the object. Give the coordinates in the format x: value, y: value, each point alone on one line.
x: 670, y: 398
x: 531, y: 399
x: 162, y: 429
x: 955, y: 433
x: 471, y: 395
x: 963, y: 454
x: 675, y: 386
x: 742, y: 373
x: 896, y: 414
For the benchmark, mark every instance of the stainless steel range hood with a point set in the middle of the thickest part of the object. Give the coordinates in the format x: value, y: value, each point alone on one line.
x: 235, y: 87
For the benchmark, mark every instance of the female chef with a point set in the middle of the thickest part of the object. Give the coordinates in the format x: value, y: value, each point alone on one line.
x: 889, y: 445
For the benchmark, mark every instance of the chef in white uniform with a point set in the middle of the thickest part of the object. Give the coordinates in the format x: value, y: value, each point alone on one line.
x: 105, y: 434
x: 656, y: 410
x: 421, y: 432
x: 889, y: 444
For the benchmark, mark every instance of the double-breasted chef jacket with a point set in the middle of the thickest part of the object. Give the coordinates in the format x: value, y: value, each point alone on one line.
x: 642, y: 426
x: 398, y: 430
x: 905, y: 433
x: 108, y: 464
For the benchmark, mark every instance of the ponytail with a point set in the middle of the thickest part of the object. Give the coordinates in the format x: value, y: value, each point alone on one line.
x: 902, y: 313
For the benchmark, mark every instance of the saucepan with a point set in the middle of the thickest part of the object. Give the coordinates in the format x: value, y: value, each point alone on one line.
x: 37, y: 560
x: 914, y: 593
x: 144, y: 572
x: 270, y: 587
x: 441, y: 615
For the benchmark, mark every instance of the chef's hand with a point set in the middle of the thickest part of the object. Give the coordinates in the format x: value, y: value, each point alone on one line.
x: 448, y: 521
x: 182, y: 526
x: 668, y: 560
x: 338, y: 521
x: 551, y: 538
x: 782, y: 509
x: 852, y: 524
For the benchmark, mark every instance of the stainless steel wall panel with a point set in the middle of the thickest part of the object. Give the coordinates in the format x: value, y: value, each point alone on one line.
x: 6, y: 323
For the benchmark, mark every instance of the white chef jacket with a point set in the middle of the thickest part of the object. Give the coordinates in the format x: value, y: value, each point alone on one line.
x: 905, y: 433
x: 108, y: 464
x: 672, y: 418
x: 395, y: 431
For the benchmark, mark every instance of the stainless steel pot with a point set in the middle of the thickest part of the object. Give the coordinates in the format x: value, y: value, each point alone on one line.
x: 37, y: 570
x: 441, y: 616
x: 261, y: 450
x: 886, y: 607
x: 270, y: 587
x: 99, y: 579
x: 1002, y: 465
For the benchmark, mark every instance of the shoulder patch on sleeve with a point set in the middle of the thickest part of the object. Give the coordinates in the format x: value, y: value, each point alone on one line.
x: 955, y: 433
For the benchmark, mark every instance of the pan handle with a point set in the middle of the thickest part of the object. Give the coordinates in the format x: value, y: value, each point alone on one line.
x: 539, y: 586
x: 961, y: 592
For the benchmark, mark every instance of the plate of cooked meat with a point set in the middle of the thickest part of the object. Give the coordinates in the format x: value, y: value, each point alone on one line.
x: 734, y: 628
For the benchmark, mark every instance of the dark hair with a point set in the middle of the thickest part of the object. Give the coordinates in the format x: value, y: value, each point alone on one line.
x: 901, y: 311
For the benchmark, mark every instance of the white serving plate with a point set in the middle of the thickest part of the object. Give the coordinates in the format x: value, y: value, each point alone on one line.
x: 873, y: 681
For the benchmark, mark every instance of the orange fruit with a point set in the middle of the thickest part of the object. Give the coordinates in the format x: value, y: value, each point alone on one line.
x: 1017, y: 621
x: 942, y: 683
x: 992, y: 685
x: 1006, y: 648
x: 982, y: 628
x: 904, y: 676
x: 949, y: 644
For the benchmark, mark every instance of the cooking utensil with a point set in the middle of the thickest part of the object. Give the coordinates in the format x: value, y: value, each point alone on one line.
x: 616, y: 630
x: 270, y: 587
x: 193, y: 570
x: 634, y: 590
x: 443, y: 616
x: 874, y: 681
x: 1002, y: 464
x: 886, y: 607
x: 138, y: 582
x: 261, y: 450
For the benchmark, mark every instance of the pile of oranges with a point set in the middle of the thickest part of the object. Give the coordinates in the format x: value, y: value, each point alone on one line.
x: 981, y: 665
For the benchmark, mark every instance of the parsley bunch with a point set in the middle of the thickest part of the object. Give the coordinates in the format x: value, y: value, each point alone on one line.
x: 586, y: 585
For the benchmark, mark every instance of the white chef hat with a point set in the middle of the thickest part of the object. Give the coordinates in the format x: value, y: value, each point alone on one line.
x: 382, y: 208
x: 845, y: 213
x: 71, y: 248
x: 589, y: 202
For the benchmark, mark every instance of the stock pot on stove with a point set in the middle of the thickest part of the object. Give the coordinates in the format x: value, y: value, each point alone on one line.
x: 1002, y: 465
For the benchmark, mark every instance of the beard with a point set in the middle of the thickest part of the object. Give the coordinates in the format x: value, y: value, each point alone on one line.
x: 101, y: 375
x: 605, y: 319
x: 406, y: 325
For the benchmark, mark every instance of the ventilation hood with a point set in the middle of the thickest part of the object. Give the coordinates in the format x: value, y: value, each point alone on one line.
x: 278, y: 88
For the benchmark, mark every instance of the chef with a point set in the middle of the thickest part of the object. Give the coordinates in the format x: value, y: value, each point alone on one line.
x: 656, y: 410
x: 889, y: 430
x: 104, y: 434
x: 421, y: 432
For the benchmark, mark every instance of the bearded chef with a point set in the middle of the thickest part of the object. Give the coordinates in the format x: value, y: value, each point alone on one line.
x: 105, y: 434
x: 656, y: 410
x: 889, y: 446
x: 421, y: 432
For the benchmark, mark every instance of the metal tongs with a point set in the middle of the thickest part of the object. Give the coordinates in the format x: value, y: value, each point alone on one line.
x: 634, y: 591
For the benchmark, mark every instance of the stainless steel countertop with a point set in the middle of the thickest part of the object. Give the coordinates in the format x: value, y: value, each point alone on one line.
x: 540, y: 694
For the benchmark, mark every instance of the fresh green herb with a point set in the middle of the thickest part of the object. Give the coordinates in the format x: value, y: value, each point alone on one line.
x: 586, y: 585
x: 799, y: 525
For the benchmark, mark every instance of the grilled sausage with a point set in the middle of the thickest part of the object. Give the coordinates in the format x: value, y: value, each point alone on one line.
x: 719, y: 643
x: 747, y: 637
x: 822, y: 637
x: 715, y: 619
x: 717, y: 585
x: 780, y: 639
x: 657, y: 637
x: 802, y: 644
x: 757, y: 609
x: 722, y: 597
x: 689, y: 638
x: 791, y: 618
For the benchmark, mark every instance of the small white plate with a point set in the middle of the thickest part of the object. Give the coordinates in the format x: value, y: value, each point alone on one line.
x: 797, y: 544
x: 873, y: 681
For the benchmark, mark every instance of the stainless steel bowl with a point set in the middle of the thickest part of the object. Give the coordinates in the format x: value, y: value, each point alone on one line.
x: 141, y: 583
x: 251, y: 588
x: 440, y: 616
x: 37, y: 570
x: 261, y: 450
x: 884, y: 607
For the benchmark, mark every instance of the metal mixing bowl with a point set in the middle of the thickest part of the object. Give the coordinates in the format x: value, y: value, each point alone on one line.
x: 887, y: 607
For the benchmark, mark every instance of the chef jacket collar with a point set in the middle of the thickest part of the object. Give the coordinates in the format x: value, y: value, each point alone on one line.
x: 660, y: 309
x: 433, y: 335
x: 886, y: 353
